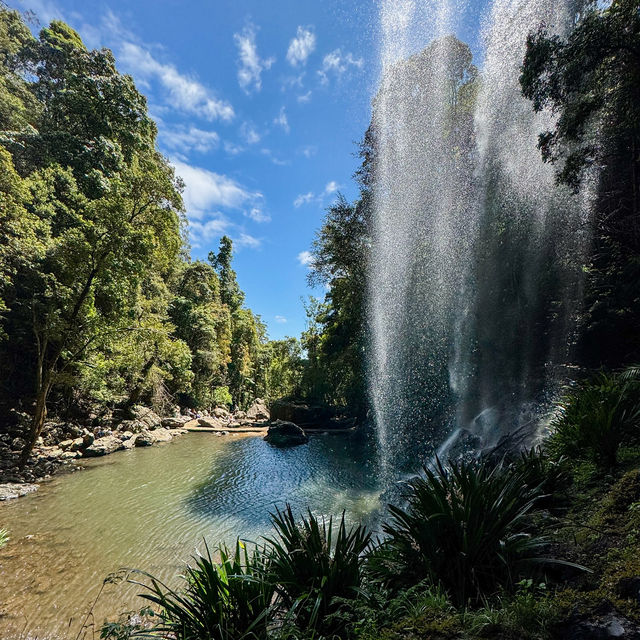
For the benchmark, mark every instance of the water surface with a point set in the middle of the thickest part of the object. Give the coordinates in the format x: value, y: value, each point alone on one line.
x: 151, y: 509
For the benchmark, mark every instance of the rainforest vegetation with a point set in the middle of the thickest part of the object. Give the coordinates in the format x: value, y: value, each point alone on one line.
x: 101, y: 307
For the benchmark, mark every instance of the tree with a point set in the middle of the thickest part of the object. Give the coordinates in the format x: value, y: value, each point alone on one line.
x: 590, y: 80
x: 230, y: 292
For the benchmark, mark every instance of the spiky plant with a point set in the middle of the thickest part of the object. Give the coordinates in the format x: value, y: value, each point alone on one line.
x: 594, y: 419
x: 226, y: 600
x: 4, y: 537
x: 314, y: 563
x: 463, y: 528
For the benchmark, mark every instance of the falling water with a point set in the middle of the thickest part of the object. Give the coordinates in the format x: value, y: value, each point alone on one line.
x: 474, y: 277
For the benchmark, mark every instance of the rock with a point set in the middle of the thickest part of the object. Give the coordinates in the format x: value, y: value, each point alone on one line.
x: 629, y: 588
x: 240, y: 415
x: 303, y: 414
x: 174, y: 423
x: 191, y: 424
x: 130, y: 443
x: 220, y: 412
x: 147, y: 417
x: 612, y: 625
x: 213, y: 423
x: 18, y: 444
x: 285, y: 434
x: 70, y: 455
x: 103, y: 446
x: 9, y: 491
x: 145, y: 439
x: 87, y: 438
x: 162, y: 435
x: 125, y: 435
x: 258, y: 411
x: 66, y: 444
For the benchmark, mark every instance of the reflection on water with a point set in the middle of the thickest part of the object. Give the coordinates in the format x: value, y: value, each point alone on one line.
x: 150, y: 509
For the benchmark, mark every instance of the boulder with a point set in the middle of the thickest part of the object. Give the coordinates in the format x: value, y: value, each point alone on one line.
x: 9, y: 491
x: 145, y: 439
x: 103, y: 446
x: 213, y: 423
x: 130, y: 443
x: 258, y: 411
x: 162, y: 435
x: 285, y: 434
x: 220, y: 412
x: 174, y: 423
x: 66, y: 444
x: 303, y: 414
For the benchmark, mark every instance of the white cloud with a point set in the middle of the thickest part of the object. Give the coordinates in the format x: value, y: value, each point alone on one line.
x: 186, y: 94
x: 332, y: 187
x: 309, y: 150
x: 338, y: 63
x: 257, y: 215
x: 303, y: 198
x: 206, y: 190
x: 232, y: 149
x: 305, y: 258
x: 305, y: 97
x: 250, y: 65
x: 301, y: 47
x: 200, y: 232
x: 249, y: 133
x: 281, y: 120
x: 281, y: 319
x: 192, y: 139
x: 246, y: 240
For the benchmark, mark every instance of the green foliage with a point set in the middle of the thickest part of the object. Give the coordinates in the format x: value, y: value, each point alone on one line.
x: 221, y: 397
x: 463, y: 528
x: 590, y: 81
x: 226, y: 600
x: 596, y: 417
x: 4, y: 537
x: 314, y: 565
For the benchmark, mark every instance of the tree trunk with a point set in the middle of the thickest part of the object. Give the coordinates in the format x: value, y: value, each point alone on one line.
x: 39, y: 417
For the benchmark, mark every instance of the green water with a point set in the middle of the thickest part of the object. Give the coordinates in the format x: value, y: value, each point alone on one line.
x: 150, y: 509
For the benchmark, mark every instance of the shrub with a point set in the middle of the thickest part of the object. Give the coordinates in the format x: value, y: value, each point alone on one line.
x: 594, y: 419
x: 221, y: 397
x: 463, y: 528
x: 314, y: 567
x: 228, y: 600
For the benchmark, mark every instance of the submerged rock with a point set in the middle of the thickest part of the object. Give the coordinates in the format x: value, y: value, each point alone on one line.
x: 9, y: 491
x: 285, y: 434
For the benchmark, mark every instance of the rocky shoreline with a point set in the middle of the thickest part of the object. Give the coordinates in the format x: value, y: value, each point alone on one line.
x: 63, y: 444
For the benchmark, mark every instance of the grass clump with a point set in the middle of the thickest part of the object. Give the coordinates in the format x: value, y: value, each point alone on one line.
x: 4, y: 537
x: 315, y: 566
x: 464, y: 527
x: 226, y: 600
x: 595, y: 418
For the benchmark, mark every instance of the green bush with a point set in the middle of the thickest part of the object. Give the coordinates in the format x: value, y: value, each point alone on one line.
x: 595, y: 418
x: 221, y: 397
x: 314, y: 567
x: 463, y: 528
x: 227, y: 600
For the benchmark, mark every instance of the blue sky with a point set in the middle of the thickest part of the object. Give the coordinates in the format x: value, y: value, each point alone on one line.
x: 259, y: 104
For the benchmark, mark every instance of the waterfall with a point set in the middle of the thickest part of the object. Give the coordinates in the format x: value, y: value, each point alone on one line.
x: 474, y: 278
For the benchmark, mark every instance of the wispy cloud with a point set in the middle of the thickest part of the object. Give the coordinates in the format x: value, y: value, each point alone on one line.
x: 337, y: 63
x: 305, y: 258
x: 250, y: 133
x: 250, y: 65
x: 181, y: 138
x: 301, y: 47
x: 280, y: 319
x: 309, y: 150
x: 186, y: 93
x: 246, y: 240
x: 206, y: 191
x: 257, y: 215
x: 281, y: 120
x: 304, y: 98
x: 303, y: 198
